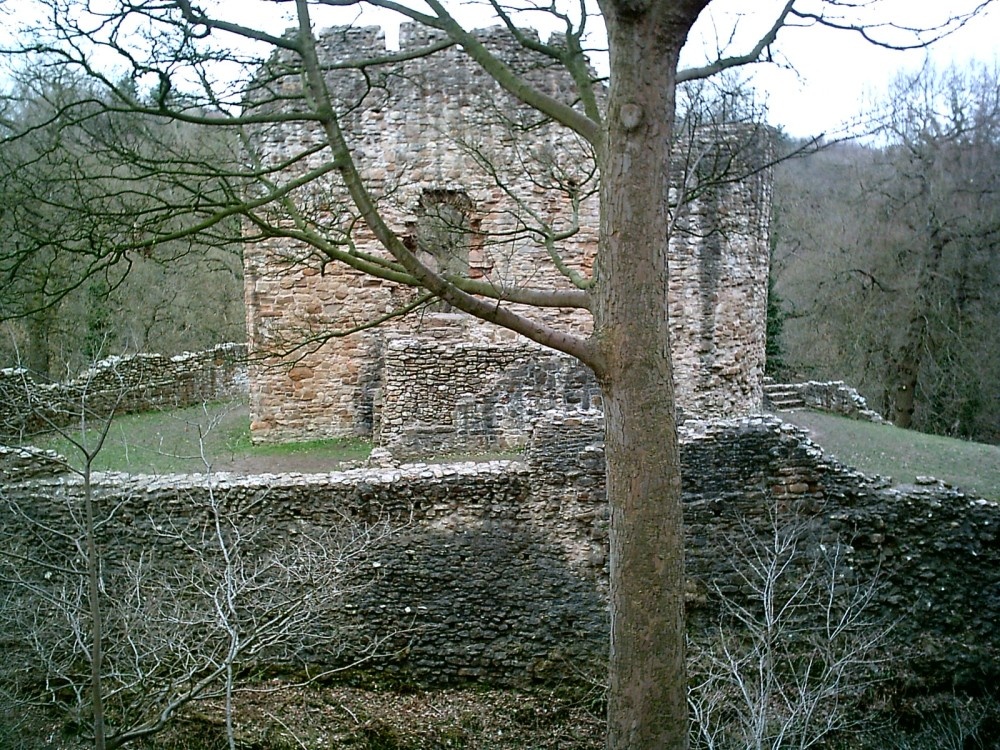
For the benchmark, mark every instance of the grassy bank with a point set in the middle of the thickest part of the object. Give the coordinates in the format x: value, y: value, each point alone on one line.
x: 904, y: 454
x: 189, y: 440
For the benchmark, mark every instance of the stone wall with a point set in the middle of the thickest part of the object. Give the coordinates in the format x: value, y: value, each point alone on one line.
x: 439, y: 396
x: 25, y: 463
x: 120, y: 385
x: 833, y: 396
x: 497, y: 571
x: 420, y: 131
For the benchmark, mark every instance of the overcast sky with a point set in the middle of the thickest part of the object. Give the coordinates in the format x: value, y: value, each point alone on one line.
x: 836, y: 73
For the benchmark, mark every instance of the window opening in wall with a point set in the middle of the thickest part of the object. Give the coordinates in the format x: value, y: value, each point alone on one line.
x: 444, y: 234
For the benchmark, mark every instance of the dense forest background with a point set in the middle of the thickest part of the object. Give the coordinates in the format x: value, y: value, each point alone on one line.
x: 94, y: 257
x: 885, y: 268
x: 886, y: 262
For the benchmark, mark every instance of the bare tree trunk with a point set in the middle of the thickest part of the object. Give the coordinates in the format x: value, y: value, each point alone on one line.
x: 96, y: 612
x: 38, y: 326
x: 906, y: 363
x: 906, y: 371
x: 648, y: 685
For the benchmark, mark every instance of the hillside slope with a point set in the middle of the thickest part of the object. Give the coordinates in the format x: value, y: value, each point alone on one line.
x: 904, y: 455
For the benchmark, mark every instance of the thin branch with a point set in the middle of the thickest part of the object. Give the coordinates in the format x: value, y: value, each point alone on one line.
x: 754, y: 55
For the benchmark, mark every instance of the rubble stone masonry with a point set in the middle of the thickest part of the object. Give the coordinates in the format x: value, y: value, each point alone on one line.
x: 436, y: 137
x: 123, y: 384
x: 497, y: 572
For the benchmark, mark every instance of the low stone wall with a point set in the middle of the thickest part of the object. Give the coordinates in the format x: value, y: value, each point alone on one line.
x: 497, y: 571
x: 449, y: 396
x: 834, y: 396
x: 120, y: 385
x: 22, y: 464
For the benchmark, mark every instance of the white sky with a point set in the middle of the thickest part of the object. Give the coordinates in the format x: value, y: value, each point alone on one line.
x: 837, y: 73
x: 833, y: 73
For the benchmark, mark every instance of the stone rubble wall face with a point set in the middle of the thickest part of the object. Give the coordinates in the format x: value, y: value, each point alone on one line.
x: 120, y: 385
x: 497, y: 572
x: 24, y: 463
x: 411, y: 134
x: 445, y: 397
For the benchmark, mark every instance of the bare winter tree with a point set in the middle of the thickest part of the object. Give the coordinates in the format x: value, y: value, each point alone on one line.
x: 945, y: 147
x: 793, y: 650
x: 175, y: 631
x: 627, y: 123
x: 75, y: 184
x: 199, y: 602
x: 887, y: 254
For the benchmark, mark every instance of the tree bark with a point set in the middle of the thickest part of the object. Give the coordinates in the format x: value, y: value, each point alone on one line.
x: 647, y: 706
x: 38, y: 327
x: 908, y: 359
x: 94, y: 606
x: 907, y: 371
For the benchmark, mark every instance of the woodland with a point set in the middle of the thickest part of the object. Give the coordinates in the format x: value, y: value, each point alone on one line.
x: 884, y: 267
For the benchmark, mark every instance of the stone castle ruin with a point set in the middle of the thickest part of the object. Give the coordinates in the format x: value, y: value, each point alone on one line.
x: 481, y: 187
x: 497, y: 571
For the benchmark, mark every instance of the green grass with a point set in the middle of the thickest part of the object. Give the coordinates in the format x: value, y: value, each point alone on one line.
x: 186, y: 440
x: 905, y: 454
x: 165, y: 442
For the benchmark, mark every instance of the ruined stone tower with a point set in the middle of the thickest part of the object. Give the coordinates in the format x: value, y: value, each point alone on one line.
x: 481, y: 186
